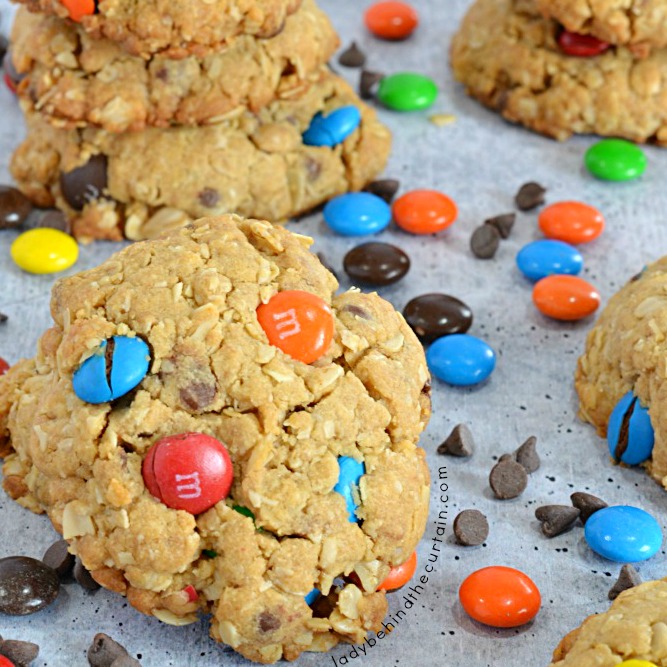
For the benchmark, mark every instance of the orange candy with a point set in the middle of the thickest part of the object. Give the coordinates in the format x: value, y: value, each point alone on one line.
x: 400, y: 575
x: 565, y: 297
x: 571, y: 221
x: 299, y: 323
x: 424, y: 211
x: 501, y: 597
x: 391, y: 20
x: 79, y: 8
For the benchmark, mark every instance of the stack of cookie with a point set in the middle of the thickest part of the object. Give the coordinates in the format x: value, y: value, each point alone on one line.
x: 142, y: 117
x: 564, y: 66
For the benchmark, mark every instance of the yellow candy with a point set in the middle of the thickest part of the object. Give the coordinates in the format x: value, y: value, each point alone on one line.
x: 44, y: 250
x: 636, y: 663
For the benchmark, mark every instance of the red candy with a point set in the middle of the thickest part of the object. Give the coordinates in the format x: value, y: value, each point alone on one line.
x: 298, y: 323
x: 501, y: 597
x: 400, y: 575
x: 5, y: 662
x: 4, y: 366
x: 565, y: 297
x: 189, y: 471
x: 424, y: 211
x: 10, y: 84
x: 79, y: 8
x: 571, y: 221
x: 582, y: 46
x: 391, y: 20
x: 191, y: 592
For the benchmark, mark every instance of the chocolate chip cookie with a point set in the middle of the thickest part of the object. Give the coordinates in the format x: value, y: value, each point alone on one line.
x: 215, y: 370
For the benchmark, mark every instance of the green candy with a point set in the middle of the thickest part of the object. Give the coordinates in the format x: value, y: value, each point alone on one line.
x: 407, y: 91
x: 615, y: 160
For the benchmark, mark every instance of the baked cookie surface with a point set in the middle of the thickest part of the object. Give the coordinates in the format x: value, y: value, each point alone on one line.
x: 192, y: 298
x: 507, y: 56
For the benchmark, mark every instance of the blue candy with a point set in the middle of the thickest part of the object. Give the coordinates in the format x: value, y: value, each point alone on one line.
x: 623, y: 534
x: 332, y: 129
x: 129, y: 365
x: 540, y: 259
x: 461, y: 359
x: 357, y: 213
x: 351, y: 471
x: 640, y: 435
x: 312, y: 596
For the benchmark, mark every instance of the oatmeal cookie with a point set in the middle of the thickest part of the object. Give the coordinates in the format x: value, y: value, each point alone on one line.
x: 506, y: 55
x: 633, y: 628
x: 76, y: 80
x: 192, y: 297
x: 627, y: 351
x: 138, y: 184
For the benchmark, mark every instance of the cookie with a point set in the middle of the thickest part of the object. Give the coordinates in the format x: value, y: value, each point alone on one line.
x: 506, y: 55
x: 138, y: 184
x: 283, y: 530
x: 631, y: 629
x: 625, y: 351
x: 76, y: 80
x: 174, y: 29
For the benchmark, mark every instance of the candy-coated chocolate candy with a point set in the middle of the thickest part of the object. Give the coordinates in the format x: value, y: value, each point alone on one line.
x: 407, y: 91
x: 434, y: 315
x: 312, y: 596
x: 615, y: 160
x: 546, y: 257
x: 333, y: 128
x: 623, y: 534
x: 636, y: 663
x: 5, y: 662
x: 11, y: 75
x: 400, y: 574
x: 4, y: 366
x: 357, y: 213
x: 581, y: 46
x: 298, y: 323
x: 391, y: 20
x: 461, y: 360
x: 571, y: 221
x: 350, y: 473
x: 191, y: 592
x: 565, y: 297
x: 501, y: 597
x: 189, y: 471
x: 424, y: 211
x: 94, y: 383
x: 630, y: 434
x: 15, y: 207
x: 44, y: 250
x: 376, y: 263
x: 79, y: 8
x: 26, y: 585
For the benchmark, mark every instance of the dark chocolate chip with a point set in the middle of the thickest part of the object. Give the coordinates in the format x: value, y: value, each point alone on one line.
x: 459, y: 442
x: 507, y: 457
x: 26, y: 585
x: 484, y: 241
x: 18, y: 652
x: 3, y: 318
x: 376, y: 263
x: 15, y: 207
x: 353, y: 56
x: 527, y: 455
x: 587, y: 504
x: 125, y: 661
x: 368, y: 83
x: 59, y: 559
x: 104, y: 650
x: 434, y: 315
x: 556, y: 519
x: 357, y: 311
x: 326, y: 264
x: 4, y: 45
x: 471, y: 528
x: 508, y: 479
x: 10, y: 70
x: 83, y: 577
x: 503, y: 223
x: 85, y: 183
x: 529, y: 196
x: 385, y: 188
x: 209, y: 197
x: 627, y: 578
x: 54, y: 220
x: 197, y: 395
x: 267, y: 622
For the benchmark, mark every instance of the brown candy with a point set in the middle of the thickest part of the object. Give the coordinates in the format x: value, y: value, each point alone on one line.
x: 15, y: 207
x: 85, y: 183
x: 434, y: 315
x: 376, y: 263
x: 26, y: 585
x: 508, y: 479
x: 471, y: 528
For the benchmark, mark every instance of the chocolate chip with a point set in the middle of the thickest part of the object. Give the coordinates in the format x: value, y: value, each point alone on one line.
x: 627, y: 578
x: 54, y: 220
x: 162, y: 74
x: 3, y: 318
x: 356, y: 311
x: 368, y: 83
x: 268, y: 622
x: 10, y: 69
x: 15, y: 207
x: 83, y: 577
x: 459, y: 442
x: 313, y: 168
x: 20, y: 653
x: 587, y: 504
x: 434, y: 315
x: 104, y: 651
x: 26, y: 585
x: 197, y: 395
x: 209, y: 197
x: 353, y: 56
x: 508, y: 479
x: 503, y: 223
x: 85, y: 183
x: 471, y: 528
x: 125, y: 661
x: 484, y: 241
x: 59, y: 559
x: 385, y: 188
x: 327, y: 265
x: 556, y: 519
x: 4, y: 45
x: 376, y: 263
x: 527, y: 455
x: 529, y: 196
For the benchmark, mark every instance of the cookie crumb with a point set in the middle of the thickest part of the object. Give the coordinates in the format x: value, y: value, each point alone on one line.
x: 442, y: 119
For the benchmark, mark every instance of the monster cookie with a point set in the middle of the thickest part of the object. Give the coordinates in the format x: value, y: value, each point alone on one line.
x: 214, y: 431
x: 506, y: 54
x: 175, y: 29
x: 256, y: 164
x: 633, y: 630
x: 76, y: 80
